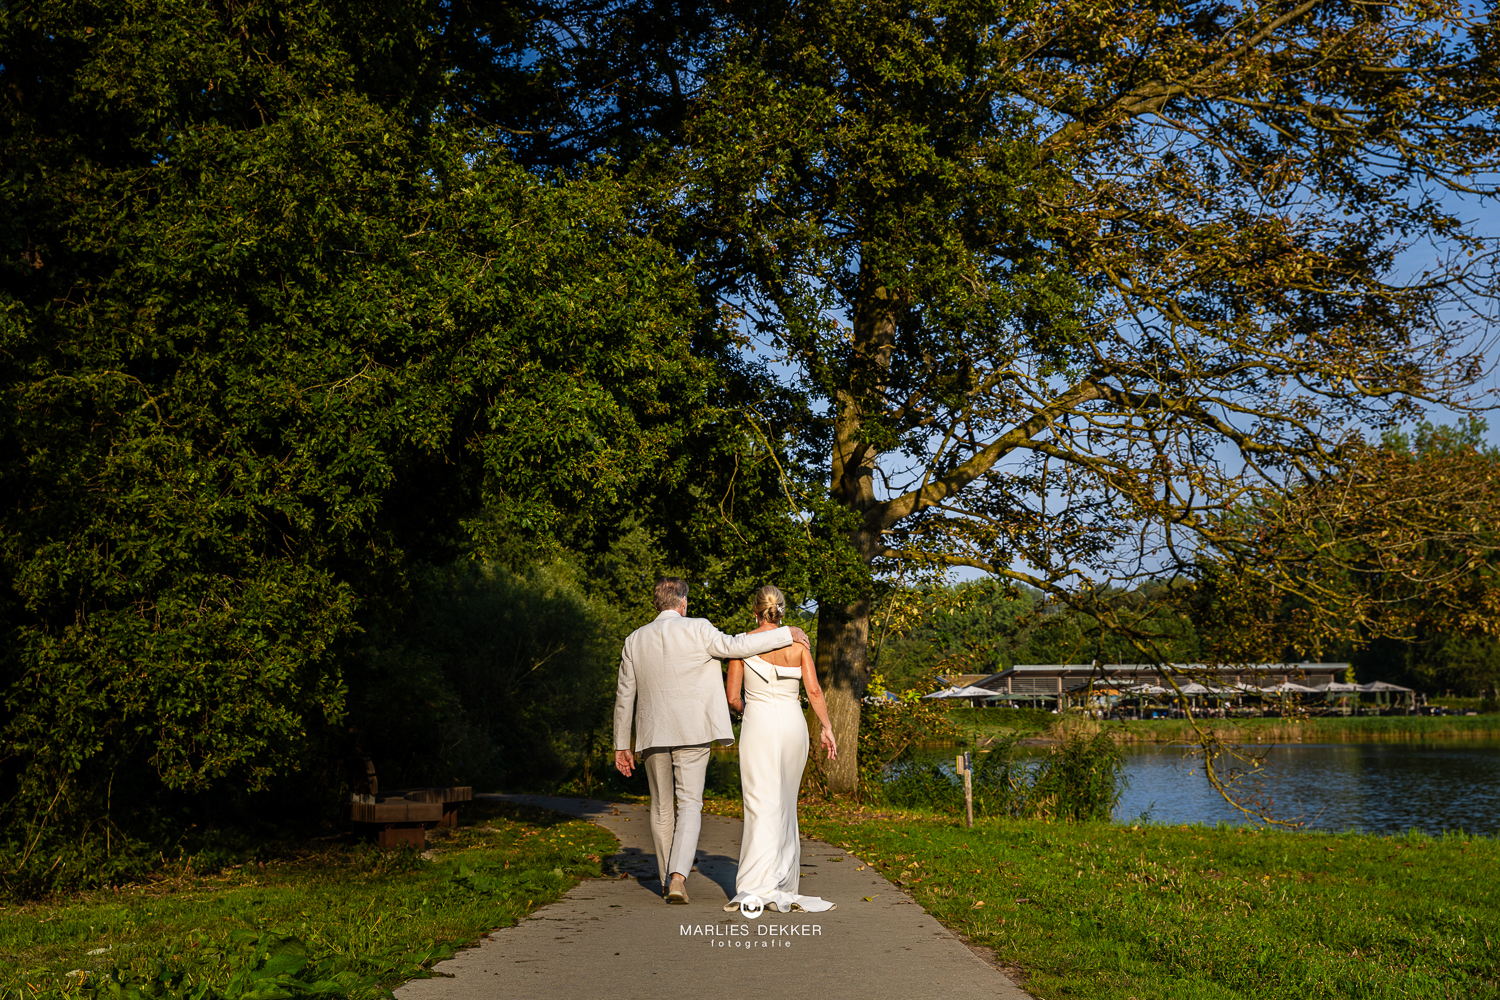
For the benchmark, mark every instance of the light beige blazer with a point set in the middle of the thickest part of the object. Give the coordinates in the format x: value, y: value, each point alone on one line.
x: 670, y: 683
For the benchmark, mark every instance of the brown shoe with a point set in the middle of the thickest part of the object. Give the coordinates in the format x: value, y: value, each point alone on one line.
x: 677, y: 892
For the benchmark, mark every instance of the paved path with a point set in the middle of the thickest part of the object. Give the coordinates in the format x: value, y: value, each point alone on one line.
x: 616, y: 939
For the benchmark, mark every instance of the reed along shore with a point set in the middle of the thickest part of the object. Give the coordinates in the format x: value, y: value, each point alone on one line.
x: 1355, y: 729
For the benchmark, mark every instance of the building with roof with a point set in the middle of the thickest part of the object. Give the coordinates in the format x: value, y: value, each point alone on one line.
x: 1027, y: 681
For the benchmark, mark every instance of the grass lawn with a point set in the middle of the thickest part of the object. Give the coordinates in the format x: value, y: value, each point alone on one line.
x: 1102, y: 911
x: 340, y: 921
x: 1114, y: 912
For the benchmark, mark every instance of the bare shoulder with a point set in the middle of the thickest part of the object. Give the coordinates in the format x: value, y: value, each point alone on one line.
x: 786, y: 656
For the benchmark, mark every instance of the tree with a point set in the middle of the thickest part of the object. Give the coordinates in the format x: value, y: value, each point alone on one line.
x: 1061, y: 284
x: 918, y: 633
x: 1392, y: 562
x: 1467, y: 664
x: 270, y: 332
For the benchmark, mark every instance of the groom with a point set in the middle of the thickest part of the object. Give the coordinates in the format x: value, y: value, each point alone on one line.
x: 670, y: 685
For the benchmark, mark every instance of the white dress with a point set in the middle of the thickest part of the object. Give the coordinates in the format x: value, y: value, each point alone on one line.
x: 773, y: 754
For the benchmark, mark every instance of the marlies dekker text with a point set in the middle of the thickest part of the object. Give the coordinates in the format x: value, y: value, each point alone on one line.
x: 747, y: 930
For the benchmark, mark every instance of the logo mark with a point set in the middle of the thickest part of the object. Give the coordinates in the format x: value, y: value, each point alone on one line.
x: 751, y: 907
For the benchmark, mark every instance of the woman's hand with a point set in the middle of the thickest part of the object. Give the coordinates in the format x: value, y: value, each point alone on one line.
x: 829, y: 744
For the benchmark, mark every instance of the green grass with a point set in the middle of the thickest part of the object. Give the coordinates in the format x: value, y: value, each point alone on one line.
x: 1113, y: 912
x: 990, y: 722
x: 1091, y: 910
x: 341, y: 921
x: 1461, y: 704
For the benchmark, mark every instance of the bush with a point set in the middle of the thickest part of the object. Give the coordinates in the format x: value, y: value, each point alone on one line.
x: 494, y: 678
x: 1078, y: 779
x: 916, y: 781
x: 1081, y: 778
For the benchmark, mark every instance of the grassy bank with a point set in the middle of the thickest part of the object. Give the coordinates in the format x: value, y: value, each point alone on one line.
x: 338, y: 921
x: 1111, y: 912
x: 989, y: 722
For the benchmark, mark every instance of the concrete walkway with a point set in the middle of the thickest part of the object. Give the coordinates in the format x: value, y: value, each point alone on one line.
x: 616, y: 939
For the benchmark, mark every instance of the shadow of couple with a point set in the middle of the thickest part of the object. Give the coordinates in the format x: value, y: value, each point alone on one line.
x: 640, y: 865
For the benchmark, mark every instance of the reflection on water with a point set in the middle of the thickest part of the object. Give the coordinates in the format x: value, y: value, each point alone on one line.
x: 1374, y: 787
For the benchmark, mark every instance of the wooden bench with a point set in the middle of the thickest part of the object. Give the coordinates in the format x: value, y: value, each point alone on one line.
x: 403, y: 815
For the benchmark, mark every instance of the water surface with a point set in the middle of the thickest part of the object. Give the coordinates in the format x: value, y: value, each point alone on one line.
x: 1383, y: 787
x: 1372, y: 787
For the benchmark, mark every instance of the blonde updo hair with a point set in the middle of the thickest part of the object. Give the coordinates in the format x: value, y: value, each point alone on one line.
x: 769, y: 605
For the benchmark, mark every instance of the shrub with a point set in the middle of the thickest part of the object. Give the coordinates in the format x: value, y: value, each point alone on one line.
x: 1079, y: 779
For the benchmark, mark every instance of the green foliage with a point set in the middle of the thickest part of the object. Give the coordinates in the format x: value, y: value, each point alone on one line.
x: 261, y: 966
x: 1189, y: 913
x: 282, y: 321
x: 1145, y: 624
x: 1391, y: 563
x: 270, y: 336
x: 889, y: 730
x: 491, y: 679
x: 1079, y: 778
x: 916, y: 780
x: 996, y: 721
x: 1466, y: 664
x: 968, y: 628
x: 339, y: 922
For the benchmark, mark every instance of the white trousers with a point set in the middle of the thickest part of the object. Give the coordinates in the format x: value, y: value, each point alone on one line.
x: 676, y: 777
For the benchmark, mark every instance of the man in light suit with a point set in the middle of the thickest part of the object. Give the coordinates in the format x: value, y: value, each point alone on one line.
x: 671, y: 687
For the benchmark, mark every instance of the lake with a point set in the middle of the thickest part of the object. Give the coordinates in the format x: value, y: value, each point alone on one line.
x: 1373, y: 787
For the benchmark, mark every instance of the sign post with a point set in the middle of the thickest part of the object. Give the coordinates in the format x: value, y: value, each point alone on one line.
x: 964, y: 761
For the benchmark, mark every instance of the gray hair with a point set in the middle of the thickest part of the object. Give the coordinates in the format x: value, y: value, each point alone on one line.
x: 670, y: 592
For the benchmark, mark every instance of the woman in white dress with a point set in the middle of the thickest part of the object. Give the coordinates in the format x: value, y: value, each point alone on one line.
x: 773, y: 754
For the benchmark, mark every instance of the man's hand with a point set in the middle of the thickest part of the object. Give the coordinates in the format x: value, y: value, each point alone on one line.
x: 624, y: 762
x: 800, y: 636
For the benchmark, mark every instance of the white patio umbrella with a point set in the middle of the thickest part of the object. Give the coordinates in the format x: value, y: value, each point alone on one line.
x: 1195, y: 689
x: 969, y: 691
x: 1289, y: 687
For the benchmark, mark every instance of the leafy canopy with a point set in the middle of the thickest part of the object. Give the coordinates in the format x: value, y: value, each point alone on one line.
x: 270, y: 329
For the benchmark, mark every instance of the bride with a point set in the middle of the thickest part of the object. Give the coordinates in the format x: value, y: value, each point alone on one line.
x: 773, y: 753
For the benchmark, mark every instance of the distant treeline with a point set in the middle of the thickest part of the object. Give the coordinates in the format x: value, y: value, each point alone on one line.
x: 984, y: 627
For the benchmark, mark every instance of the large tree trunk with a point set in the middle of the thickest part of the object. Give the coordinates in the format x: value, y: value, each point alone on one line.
x: 843, y: 665
x: 844, y: 629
